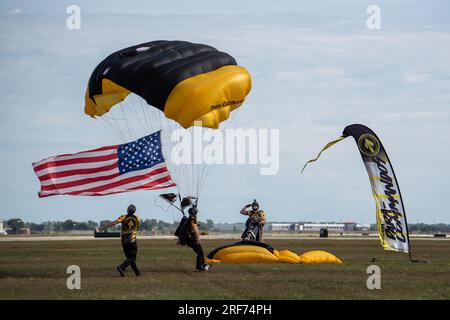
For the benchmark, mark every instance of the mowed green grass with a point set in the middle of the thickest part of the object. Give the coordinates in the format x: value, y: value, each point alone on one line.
x: 37, y: 270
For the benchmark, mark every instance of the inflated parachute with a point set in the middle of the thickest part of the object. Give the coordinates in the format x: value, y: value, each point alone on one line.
x: 390, y: 212
x: 246, y: 252
x: 177, y: 87
x: 189, y: 82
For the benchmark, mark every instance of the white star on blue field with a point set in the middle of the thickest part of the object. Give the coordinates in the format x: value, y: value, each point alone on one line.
x: 140, y: 154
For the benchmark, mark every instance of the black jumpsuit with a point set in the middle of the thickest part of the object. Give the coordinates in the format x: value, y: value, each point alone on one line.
x: 194, y: 243
x: 130, y: 226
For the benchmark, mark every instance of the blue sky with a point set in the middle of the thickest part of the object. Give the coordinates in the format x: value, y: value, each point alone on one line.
x: 316, y: 68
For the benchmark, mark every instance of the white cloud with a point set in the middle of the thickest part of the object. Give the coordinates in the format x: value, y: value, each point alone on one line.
x: 15, y: 11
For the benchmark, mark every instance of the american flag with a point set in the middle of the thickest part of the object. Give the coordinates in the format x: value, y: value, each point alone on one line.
x: 131, y: 166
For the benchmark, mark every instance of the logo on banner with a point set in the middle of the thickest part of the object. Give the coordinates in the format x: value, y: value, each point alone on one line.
x: 369, y: 145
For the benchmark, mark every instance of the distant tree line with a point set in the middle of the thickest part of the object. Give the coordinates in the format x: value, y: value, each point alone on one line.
x: 70, y: 225
x: 150, y: 225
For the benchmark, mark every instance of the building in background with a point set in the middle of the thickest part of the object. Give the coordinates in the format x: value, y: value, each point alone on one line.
x: 332, y: 227
x: 316, y: 227
x: 281, y: 227
x: 228, y: 227
x: 24, y: 231
x: 2, y: 229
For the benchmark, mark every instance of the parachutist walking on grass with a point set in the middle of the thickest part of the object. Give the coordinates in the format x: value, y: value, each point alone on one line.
x: 188, y: 234
x: 130, y: 225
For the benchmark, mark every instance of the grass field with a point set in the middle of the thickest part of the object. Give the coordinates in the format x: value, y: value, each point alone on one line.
x: 37, y: 270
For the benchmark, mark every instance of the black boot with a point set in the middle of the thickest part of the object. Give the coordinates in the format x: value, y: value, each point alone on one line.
x: 135, y: 269
x: 119, y: 268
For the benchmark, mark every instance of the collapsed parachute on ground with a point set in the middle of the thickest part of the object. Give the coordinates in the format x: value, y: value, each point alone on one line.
x: 257, y: 252
x: 189, y: 82
x: 390, y: 212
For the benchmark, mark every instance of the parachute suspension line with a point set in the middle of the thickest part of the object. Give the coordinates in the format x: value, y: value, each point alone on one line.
x: 229, y: 124
x: 201, y: 170
x: 188, y: 169
x: 177, y: 170
x: 140, y: 120
x: 204, y: 170
x: 112, y: 121
x: 195, y: 166
x: 109, y: 127
x: 146, y: 116
x: 173, y: 168
x: 161, y: 207
x: 156, y: 116
x: 150, y: 120
x: 104, y: 125
x: 192, y: 166
x: 128, y: 109
x: 182, y: 168
x: 198, y: 170
x: 207, y: 169
x: 126, y: 121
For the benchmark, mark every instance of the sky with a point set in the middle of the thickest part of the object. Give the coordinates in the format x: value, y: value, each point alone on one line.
x: 316, y: 68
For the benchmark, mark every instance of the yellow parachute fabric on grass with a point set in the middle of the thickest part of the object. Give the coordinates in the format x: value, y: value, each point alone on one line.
x: 246, y: 252
x: 318, y: 256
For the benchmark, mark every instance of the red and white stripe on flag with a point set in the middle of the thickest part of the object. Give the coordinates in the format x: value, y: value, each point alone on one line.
x: 96, y: 173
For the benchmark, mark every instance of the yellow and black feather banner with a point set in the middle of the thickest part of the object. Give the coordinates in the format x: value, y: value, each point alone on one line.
x: 328, y: 145
x: 390, y: 212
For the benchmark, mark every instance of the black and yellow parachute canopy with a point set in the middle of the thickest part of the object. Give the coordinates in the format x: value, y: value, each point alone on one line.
x: 189, y: 82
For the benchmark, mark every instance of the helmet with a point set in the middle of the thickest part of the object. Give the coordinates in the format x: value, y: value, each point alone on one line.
x: 193, y: 211
x: 186, y: 202
x: 131, y: 209
x: 255, y: 204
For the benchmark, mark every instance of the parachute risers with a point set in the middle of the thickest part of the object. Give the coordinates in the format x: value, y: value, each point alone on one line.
x: 257, y: 252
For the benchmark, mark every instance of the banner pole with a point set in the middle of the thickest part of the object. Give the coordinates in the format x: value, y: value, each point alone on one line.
x: 404, y: 212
